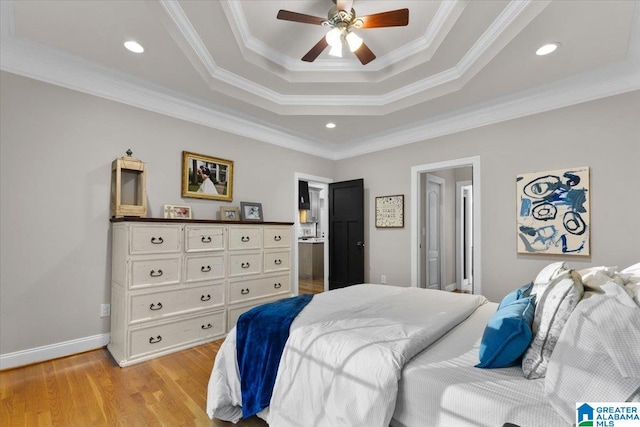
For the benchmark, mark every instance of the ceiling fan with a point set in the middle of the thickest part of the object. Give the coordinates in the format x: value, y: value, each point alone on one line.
x: 342, y: 19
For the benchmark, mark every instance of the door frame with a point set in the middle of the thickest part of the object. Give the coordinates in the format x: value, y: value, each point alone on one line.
x: 324, y: 182
x: 416, y: 192
x: 441, y: 256
x: 461, y: 247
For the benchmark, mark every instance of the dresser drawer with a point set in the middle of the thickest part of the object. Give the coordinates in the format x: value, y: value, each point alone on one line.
x: 277, y: 261
x: 241, y: 238
x: 277, y: 237
x: 155, y: 272
x: 155, y: 239
x: 241, y: 264
x: 200, y: 238
x: 151, y: 306
x: 183, y: 331
x: 245, y: 290
x: 204, y: 267
x: 234, y: 313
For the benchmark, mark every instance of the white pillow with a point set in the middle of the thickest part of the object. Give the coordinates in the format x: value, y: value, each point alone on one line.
x: 633, y: 282
x: 634, y: 272
x: 594, y: 279
x: 596, y: 357
x: 553, y: 308
x: 546, y: 275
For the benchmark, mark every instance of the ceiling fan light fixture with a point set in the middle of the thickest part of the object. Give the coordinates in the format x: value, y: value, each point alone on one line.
x: 334, y: 37
x: 354, y: 41
x: 336, y: 50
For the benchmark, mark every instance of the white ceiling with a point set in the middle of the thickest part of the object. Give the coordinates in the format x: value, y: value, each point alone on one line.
x: 232, y: 65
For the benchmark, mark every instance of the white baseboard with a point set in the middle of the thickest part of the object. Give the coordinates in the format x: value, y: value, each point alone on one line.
x: 452, y: 287
x: 52, y: 351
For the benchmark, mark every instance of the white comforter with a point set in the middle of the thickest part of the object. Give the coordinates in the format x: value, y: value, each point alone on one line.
x: 344, y: 356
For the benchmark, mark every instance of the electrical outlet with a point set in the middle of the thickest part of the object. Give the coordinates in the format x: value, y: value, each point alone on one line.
x: 105, y: 310
x: 383, y: 279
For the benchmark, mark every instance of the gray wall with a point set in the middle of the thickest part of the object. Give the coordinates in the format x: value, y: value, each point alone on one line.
x: 57, y: 145
x: 602, y: 134
x: 56, y: 149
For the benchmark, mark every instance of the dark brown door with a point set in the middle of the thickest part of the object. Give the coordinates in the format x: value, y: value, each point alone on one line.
x: 346, y: 233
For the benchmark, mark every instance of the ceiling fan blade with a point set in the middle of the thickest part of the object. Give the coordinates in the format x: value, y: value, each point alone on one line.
x: 316, y: 50
x: 300, y: 17
x: 392, y: 18
x: 345, y: 5
x: 364, y: 54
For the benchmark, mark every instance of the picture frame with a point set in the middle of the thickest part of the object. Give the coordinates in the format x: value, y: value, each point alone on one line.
x: 229, y: 213
x: 390, y: 211
x: 251, y: 211
x: 206, y: 177
x: 553, y: 212
x: 177, y: 212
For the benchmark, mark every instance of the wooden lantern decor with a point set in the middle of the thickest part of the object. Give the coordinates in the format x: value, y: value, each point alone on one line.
x: 128, y: 187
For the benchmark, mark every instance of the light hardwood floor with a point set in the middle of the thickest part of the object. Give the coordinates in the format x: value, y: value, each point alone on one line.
x: 90, y: 389
x: 313, y: 286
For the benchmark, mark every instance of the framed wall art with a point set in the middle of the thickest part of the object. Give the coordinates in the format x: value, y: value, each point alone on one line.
x: 553, y: 214
x: 229, y: 213
x: 177, y: 212
x: 250, y: 211
x: 390, y: 211
x: 205, y: 177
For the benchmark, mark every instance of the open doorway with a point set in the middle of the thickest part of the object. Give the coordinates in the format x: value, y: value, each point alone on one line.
x: 423, y: 265
x: 311, y: 232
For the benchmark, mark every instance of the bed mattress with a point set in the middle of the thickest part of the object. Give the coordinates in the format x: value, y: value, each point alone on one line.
x: 441, y: 386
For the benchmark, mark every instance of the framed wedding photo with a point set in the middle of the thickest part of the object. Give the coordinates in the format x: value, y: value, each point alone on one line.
x: 250, y: 211
x: 205, y: 177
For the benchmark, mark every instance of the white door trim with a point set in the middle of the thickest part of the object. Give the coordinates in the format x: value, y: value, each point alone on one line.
x: 324, y: 218
x: 416, y: 191
x: 460, y: 241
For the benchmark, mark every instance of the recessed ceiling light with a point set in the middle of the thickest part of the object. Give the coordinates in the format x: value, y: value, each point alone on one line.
x: 330, y: 125
x: 547, y: 49
x: 133, y: 46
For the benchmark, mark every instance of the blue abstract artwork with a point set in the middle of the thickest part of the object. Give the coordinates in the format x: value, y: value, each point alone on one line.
x: 553, y: 212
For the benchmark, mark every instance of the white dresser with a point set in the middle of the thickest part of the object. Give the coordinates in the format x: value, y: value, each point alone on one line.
x: 180, y: 283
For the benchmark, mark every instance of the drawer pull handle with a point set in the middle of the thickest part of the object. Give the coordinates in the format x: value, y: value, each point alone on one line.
x: 157, y: 241
x: 205, y: 269
x: 207, y: 298
x: 155, y: 340
x: 277, y: 285
x: 245, y: 238
x: 277, y: 261
x: 209, y: 326
x: 154, y: 273
x: 277, y: 238
x: 206, y: 239
x: 155, y: 307
x: 245, y: 265
x: 244, y: 291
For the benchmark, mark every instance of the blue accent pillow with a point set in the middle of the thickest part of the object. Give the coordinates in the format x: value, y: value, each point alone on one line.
x: 516, y: 294
x: 508, y: 334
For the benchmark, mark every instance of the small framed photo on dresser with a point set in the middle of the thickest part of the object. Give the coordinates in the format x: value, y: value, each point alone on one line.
x: 229, y: 213
x: 250, y: 211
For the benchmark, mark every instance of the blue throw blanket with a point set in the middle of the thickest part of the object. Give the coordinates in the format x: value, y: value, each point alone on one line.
x: 261, y: 334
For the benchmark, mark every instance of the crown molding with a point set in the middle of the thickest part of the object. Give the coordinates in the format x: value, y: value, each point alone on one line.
x: 51, y: 66
x: 38, y: 62
x: 473, y: 61
x: 589, y: 86
x: 426, y: 45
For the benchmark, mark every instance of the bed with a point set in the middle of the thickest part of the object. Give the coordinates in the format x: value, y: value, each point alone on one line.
x: 375, y: 355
